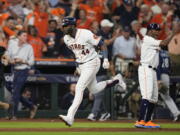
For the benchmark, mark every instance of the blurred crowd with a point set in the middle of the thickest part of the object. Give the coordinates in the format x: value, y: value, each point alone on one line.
x: 118, y: 21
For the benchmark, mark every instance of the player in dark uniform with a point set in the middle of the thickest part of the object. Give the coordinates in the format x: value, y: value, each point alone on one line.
x: 163, y: 72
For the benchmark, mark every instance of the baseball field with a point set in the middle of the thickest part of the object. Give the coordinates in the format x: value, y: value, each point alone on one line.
x: 83, y: 127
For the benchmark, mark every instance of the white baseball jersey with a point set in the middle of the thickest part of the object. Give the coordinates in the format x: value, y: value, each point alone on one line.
x: 150, y: 51
x: 83, y: 45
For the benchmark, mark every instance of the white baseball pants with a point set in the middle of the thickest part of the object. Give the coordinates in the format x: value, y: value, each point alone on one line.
x: 166, y: 98
x: 148, y: 83
x: 87, y: 79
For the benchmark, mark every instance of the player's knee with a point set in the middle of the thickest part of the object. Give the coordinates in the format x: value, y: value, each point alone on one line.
x: 80, y: 87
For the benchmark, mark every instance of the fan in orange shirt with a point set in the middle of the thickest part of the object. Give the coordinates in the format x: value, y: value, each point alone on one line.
x: 36, y: 42
x: 3, y: 15
x: 41, y: 20
x: 3, y: 40
x: 93, y: 12
x: 83, y: 22
x: 9, y: 27
x: 150, y: 2
x: 164, y: 19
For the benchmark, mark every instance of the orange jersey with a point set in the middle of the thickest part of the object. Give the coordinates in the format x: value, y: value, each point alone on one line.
x: 84, y: 25
x: 41, y: 23
x: 3, y: 17
x: 150, y: 2
x: 37, y: 45
x: 93, y: 13
x: 8, y: 31
x: 57, y: 11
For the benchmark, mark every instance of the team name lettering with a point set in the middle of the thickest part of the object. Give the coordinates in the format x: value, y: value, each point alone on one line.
x: 76, y: 46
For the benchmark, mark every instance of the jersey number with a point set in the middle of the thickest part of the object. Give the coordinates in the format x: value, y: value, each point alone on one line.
x: 84, y: 52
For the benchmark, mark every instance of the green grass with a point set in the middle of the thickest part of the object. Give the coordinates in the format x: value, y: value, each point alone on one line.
x: 17, y: 124
x: 76, y: 125
x: 90, y: 133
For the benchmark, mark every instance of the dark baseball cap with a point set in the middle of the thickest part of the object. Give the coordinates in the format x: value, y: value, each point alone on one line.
x: 126, y: 29
x: 128, y: 2
x: 153, y: 26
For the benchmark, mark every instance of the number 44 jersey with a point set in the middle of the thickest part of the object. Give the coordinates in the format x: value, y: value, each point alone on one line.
x: 83, y: 45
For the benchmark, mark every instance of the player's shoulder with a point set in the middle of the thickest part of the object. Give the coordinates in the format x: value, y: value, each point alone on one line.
x: 84, y: 31
x: 67, y: 38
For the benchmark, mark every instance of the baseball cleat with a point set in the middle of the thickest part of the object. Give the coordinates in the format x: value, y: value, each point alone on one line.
x: 91, y: 117
x: 140, y: 124
x: 65, y: 120
x: 121, y: 81
x: 104, y: 116
x: 150, y: 124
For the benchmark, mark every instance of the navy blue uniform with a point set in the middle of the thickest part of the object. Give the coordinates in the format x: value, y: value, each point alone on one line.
x: 164, y: 64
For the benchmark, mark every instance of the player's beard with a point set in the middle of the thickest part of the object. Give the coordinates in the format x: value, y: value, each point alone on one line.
x: 70, y: 31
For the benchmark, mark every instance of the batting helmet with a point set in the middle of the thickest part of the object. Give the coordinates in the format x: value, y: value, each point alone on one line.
x: 153, y: 26
x: 68, y: 21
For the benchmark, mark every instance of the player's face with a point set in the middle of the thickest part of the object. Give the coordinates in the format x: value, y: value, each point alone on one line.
x: 68, y: 29
x: 155, y: 33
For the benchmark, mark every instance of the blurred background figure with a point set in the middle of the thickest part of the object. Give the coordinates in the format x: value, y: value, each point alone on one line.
x: 27, y: 102
x: 163, y: 76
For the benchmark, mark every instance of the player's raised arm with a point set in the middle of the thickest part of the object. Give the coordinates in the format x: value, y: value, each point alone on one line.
x: 168, y: 39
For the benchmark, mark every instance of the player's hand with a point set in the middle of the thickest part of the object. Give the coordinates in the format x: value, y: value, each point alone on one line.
x: 18, y: 60
x: 105, y: 63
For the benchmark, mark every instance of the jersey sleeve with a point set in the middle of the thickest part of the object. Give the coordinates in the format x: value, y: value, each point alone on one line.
x: 92, y: 38
x: 65, y: 39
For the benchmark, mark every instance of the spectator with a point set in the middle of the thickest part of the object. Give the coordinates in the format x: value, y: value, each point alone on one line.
x: 66, y: 5
x: 83, y: 22
x: 93, y: 12
x: 26, y: 100
x: 144, y: 15
x: 124, y: 50
x: 9, y: 27
x: 37, y: 44
x: 95, y: 27
x: 69, y: 97
x: 41, y: 19
x: 125, y: 13
x: 54, y: 41
x: 109, y: 35
x: 22, y: 58
x: 3, y: 40
x: 16, y: 8
x: 164, y: 19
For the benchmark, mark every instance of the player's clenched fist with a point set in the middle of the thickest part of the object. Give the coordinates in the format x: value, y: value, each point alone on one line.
x: 105, y: 63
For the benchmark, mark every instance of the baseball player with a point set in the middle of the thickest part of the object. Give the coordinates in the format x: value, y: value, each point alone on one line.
x: 147, y: 74
x: 82, y: 42
x: 163, y: 72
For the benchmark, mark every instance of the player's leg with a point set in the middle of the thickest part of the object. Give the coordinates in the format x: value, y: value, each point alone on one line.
x: 167, y: 99
x: 146, y: 88
x: 96, y: 87
x: 88, y: 72
x: 152, y: 102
